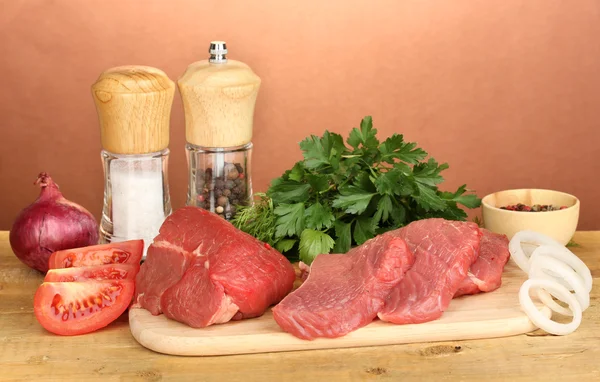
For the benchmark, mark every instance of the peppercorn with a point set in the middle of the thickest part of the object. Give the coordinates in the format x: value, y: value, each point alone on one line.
x: 535, y: 208
x: 219, y: 210
x: 222, y: 201
x: 233, y: 174
x: 226, y: 192
x: 229, y: 184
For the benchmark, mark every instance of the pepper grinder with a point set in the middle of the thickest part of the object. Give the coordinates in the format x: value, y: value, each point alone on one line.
x: 219, y: 95
x: 134, y: 108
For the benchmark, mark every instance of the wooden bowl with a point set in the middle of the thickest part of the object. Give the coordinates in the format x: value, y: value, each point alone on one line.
x: 560, y: 224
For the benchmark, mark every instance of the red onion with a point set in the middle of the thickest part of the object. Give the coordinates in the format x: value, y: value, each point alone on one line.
x: 50, y: 224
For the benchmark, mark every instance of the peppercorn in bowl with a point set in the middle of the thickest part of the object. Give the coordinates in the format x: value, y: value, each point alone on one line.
x: 549, y: 212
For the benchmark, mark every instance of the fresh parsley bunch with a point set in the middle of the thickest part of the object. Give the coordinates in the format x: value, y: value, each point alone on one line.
x: 339, y: 196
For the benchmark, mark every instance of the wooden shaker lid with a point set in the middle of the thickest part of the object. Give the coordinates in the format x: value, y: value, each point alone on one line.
x: 134, y: 109
x: 219, y: 99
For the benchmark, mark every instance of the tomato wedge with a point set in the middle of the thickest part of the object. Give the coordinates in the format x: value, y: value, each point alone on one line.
x: 94, y: 272
x: 125, y: 252
x: 81, y: 307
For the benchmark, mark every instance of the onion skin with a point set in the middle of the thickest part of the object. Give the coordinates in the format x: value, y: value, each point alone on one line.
x: 50, y: 224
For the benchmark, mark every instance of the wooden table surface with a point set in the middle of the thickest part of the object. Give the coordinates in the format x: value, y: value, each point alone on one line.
x: 28, y: 352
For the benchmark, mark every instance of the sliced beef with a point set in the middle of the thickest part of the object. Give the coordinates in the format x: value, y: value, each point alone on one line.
x: 344, y: 292
x: 444, y: 251
x: 201, y: 270
x: 485, y: 274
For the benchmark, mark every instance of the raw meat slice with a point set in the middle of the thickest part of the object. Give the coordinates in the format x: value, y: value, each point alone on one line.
x: 163, y: 268
x: 485, y: 274
x: 344, y: 292
x: 444, y: 251
x: 201, y: 270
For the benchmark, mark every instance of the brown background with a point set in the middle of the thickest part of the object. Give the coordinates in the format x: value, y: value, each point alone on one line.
x: 507, y: 92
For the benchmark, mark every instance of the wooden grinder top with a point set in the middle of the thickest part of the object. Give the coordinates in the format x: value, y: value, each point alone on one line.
x: 219, y: 99
x: 134, y: 108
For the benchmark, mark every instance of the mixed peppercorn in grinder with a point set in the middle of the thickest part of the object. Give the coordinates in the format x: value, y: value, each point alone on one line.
x: 134, y: 108
x: 219, y: 95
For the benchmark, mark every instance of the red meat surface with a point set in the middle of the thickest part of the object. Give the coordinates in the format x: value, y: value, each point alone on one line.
x: 201, y: 270
x: 344, y: 292
x: 485, y: 274
x: 444, y: 251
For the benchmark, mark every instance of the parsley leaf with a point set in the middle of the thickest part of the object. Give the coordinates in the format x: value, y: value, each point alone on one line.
x: 428, y: 199
x: 353, y: 200
x: 314, y: 152
x: 384, y: 209
x: 469, y: 200
x: 364, y: 229
x: 387, y: 183
x: 285, y: 245
x: 318, y: 217
x: 297, y: 172
x: 290, y: 219
x: 288, y: 191
x: 364, y: 182
x: 343, y: 231
x: 429, y: 173
x: 319, y: 183
x: 313, y: 243
x: 319, y: 151
x: 398, y: 214
x: 395, y: 148
x: 365, y: 136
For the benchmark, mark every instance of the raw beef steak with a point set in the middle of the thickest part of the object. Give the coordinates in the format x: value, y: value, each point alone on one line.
x: 485, y: 274
x: 201, y: 270
x: 344, y: 292
x: 444, y: 251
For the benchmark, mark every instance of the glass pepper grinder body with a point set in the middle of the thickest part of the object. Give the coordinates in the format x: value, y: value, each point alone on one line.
x: 134, y: 106
x: 219, y: 96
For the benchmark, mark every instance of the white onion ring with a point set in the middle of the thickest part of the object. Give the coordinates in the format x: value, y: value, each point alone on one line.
x: 570, y: 259
x: 561, y: 271
x: 516, y: 251
x: 541, y: 321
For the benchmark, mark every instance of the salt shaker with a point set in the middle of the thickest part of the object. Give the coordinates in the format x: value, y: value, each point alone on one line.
x: 219, y: 95
x: 134, y: 108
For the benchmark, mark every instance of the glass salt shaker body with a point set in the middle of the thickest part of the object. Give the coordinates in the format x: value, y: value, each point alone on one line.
x: 219, y: 97
x: 136, y: 196
x: 134, y: 105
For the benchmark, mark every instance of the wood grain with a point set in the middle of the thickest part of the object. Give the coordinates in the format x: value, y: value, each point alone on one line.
x: 28, y: 353
x: 134, y: 109
x: 488, y: 315
x: 219, y: 100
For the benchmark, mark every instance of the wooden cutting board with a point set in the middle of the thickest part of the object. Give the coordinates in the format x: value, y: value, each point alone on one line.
x: 487, y: 315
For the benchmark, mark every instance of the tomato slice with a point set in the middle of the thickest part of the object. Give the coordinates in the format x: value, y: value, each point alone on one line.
x: 125, y: 252
x: 81, y: 307
x: 94, y: 272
